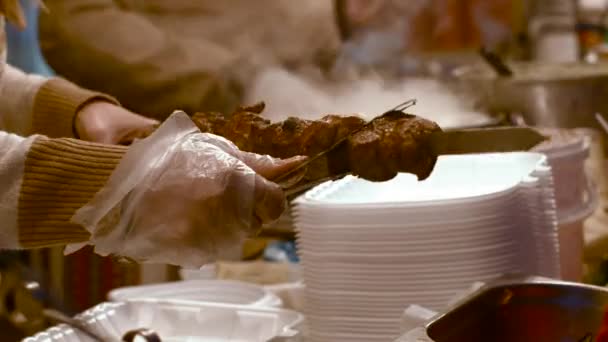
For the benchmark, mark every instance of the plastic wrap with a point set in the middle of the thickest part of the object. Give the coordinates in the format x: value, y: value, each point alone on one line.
x: 183, y: 322
x: 182, y: 197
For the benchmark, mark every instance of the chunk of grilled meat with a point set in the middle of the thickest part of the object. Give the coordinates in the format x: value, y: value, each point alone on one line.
x: 395, y: 143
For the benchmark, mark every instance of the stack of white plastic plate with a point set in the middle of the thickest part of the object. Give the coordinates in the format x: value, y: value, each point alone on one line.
x: 370, y: 249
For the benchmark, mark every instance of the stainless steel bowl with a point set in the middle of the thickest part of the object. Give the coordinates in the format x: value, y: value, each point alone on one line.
x: 548, y: 95
x: 523, y: 309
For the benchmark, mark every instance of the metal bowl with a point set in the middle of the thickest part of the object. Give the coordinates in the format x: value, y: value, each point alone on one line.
x: 548, y: 95
x: 524, y: 309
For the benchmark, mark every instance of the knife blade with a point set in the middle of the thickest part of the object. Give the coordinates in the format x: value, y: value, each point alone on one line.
x: 485, y: 140
x: 465, y: 141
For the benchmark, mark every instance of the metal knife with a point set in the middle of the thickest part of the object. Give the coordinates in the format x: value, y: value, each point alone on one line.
x: 485, y: 140
x: 465, y: 141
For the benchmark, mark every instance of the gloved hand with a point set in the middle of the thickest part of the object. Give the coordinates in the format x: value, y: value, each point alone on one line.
x: 185, y: 198
x: 107, y: 123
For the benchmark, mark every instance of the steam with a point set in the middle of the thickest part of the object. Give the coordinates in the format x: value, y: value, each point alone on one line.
x: 287, y: 95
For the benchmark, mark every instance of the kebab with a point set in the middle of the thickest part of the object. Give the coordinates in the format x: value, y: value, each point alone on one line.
x: 377, y: 150
x: 396, y: 142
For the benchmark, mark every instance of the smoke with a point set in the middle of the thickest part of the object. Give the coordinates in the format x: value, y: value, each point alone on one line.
x: 287, y: 94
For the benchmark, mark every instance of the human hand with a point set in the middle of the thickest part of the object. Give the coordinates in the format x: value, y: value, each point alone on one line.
x: 105, y: 122
x: 185, y: 198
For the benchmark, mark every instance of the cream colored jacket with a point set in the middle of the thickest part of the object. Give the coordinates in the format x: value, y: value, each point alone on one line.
x: 159, y: 55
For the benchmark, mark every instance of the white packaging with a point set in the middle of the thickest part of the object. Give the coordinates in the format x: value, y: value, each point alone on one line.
x: 183, y: 322
x: 200, y: 291
x: 368, y: 250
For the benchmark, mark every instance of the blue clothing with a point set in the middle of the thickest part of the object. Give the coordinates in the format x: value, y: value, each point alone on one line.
x: 23, y: 46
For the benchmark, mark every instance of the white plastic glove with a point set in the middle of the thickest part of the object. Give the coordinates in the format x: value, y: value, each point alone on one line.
x: 183, y: 197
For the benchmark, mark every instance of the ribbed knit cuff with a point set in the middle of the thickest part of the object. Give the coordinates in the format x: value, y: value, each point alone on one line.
x: 61, y: 176
x: 56, y: 105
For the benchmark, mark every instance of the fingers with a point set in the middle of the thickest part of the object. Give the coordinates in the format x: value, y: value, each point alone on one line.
x: 268, y: 167
x: 269, y: 200
x: 137, y: 133
x: 106, y: 123
x: 133, y: 126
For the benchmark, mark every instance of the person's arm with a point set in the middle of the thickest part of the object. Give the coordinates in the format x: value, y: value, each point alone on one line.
x: 31, y: 104
x: 101, y: 46
x: 54, y: 107
x: 44, y: 181
x: 190, y: 204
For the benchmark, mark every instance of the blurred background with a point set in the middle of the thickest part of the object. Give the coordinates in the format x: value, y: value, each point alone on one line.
x: 388, y: 50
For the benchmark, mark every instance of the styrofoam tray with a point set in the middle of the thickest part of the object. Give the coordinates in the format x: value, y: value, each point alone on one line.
x: 181, y: 322
x: 206, y: 291
x: 455, y: 180
x: 208, y: 272
x: 370, y: 249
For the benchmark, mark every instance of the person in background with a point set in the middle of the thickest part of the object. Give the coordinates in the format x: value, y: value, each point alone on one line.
x: 204, y: 191
x: 191, y: 55
x: 417, y: 32
x: 23, y: 43
x: 452, y: 25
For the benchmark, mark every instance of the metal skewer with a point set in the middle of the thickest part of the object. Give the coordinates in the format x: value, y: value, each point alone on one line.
x: 496, y: 63
x: 600, y: 119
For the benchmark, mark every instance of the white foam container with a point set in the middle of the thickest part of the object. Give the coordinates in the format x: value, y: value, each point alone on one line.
x: 576, y: 199
x: 183, y: 322
x: 209, y: 272
x: 356, y: 288
x: 200, y: 291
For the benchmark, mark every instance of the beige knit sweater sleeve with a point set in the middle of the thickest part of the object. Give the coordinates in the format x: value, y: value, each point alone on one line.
x: 45, y: 178
x: 44, y: 181
x: 31, y: 104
